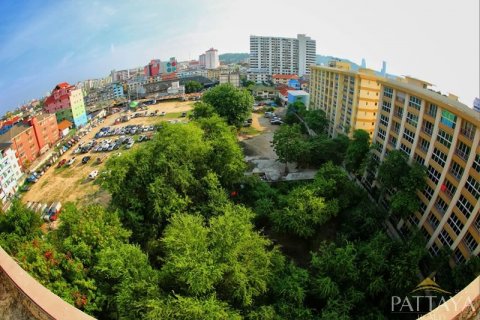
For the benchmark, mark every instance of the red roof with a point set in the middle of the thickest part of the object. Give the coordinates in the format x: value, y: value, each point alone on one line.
x: 49, y: 100
x: 64, y: 125
x: 285, y: 76
x: 62, y: 85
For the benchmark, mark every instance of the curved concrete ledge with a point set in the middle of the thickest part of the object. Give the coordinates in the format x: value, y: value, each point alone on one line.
x: 464, y: 305
x: 23, y: 297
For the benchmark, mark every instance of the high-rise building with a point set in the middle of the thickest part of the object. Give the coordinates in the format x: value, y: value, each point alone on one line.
x: 349, y: 98
x: 212, y: 60
x: 152, y: 69
x: 476, y: 104
x: 32, y: 137
x: 66, y: 101
x: 10, y: 173
x: 201, y: 59
x: 276, y: 55
x: 442, y: 134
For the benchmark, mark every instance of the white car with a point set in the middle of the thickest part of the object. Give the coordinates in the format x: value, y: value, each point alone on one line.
x: 93, y: 174
x: 71, y: 161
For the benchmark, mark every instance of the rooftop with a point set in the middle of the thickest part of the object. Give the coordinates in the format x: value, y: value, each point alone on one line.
x: 12, y: 133
x: 284, y: 76
x: 298, y: 93
x: 64, y: 125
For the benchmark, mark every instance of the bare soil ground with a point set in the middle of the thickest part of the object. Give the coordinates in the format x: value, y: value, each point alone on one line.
x: 72, y: 183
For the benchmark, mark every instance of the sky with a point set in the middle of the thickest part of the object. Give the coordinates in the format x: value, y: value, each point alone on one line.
x: 45, y: 42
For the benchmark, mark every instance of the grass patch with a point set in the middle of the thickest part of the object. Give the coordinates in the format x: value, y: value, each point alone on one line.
x: 249, y: 131
x: 174, y: 115
x: 44, y: 183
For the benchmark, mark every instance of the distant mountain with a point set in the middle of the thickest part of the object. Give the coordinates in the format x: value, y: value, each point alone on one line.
x: 324, y: 60
x: 234, y: 57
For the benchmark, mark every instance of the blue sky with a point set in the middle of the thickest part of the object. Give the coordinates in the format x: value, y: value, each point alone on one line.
x: 46, y: 42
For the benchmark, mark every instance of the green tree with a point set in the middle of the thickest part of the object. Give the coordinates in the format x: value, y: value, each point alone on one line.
x: 357, y: 151
x: 227, y: 257
x: 202, y: 110
x: 316, y: 120
x: 289, y: 144
x: 323, y: 149
x: 191, y: 308
x: 124, y: 273
x: 182, y: 169
x: 392, y: 169
x: 304, y: 212
x: 193, y: 86
x: 235, y: 105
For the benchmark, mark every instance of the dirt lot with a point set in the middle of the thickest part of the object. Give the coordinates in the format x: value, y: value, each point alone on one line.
x: 72, y: 184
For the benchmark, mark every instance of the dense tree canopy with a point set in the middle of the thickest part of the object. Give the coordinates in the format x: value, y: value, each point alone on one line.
x: 233, y: 104
x: 193, y: 86
x: 357, y: 151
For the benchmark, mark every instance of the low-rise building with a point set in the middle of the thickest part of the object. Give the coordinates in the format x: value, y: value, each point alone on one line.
x: 64, y: 127
x: 264, y: 92
x: 283, y: 78
x: 32, y: 137
x: 230, y: 77
x: 10, y: 173
x: 66, y: 101
x: 258, y: 77
x: 298, y: 95
x: 176, y: 88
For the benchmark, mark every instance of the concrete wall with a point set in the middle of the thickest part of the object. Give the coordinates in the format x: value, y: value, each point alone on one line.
x: 24, y: 298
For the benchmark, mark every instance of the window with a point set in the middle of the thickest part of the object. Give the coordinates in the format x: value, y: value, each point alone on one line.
x: 470, y: 242
x: 456, y: 170
x: 432, y: 109
x: 462, y: 150
x: 455, y: 224
x: 433, y: 174
x: 473, y: 186
x: 459, y: 258
x: 395, y: 126
x: 392, y: 140
x: 448, y: 119
x: 441, y: 205
x: 445, y: 238
x: 444, y: 138
x: 465, y: 206
x: 425, y: 233
x: 449, y: 188
x: 468, y: 129
x: 405, y: 149
x: 419, y: 159
x: 433, y: 220
x: 424, y: 144
x: 427, y: 127
x: 476, y: 163
x: 412, y: 119
x: 434, y: 250
x: 399, y: 112
x: 413, y: 220
x: 382, y: 133
x: 384, y: 120
x: 408, y: 135
x: 423, y: 207
x: 439, y: 157
x: 386, y: 106
x: 428, y: 192
x: 388, y: 92
x: 415, y: 102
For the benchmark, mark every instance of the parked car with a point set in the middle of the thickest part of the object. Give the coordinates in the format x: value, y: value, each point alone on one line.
x: 86, y: 159
x: 93, y: 174
x: 130, y: 144
x: 71, y: 161
x: 183, y: 115
x: 276, y: 122
x: 61, y: 163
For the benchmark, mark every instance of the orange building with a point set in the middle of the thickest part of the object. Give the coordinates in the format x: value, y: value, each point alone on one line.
x: 32, y: 137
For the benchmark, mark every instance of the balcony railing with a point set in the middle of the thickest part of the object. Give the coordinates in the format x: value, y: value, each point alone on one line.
x: 427, y: 130
x: 462, y: 154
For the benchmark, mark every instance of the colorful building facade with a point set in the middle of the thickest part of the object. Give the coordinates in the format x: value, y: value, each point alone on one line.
x: 10, y: 173
x: 32, y: 137
x: 67, y: 102
x: 349, y: 98
x: 443, y: 135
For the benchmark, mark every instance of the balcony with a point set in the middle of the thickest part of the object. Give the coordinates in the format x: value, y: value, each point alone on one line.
x: 462, y: 154
x: 427, y: 130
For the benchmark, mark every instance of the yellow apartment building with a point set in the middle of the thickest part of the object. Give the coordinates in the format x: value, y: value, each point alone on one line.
x: 349, y: 98
x: 442, y: 134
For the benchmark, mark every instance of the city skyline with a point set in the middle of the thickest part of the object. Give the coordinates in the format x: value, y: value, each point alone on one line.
x: 44, y: 43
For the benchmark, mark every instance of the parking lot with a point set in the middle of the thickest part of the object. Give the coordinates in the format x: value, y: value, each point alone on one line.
x: 71, y: 183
